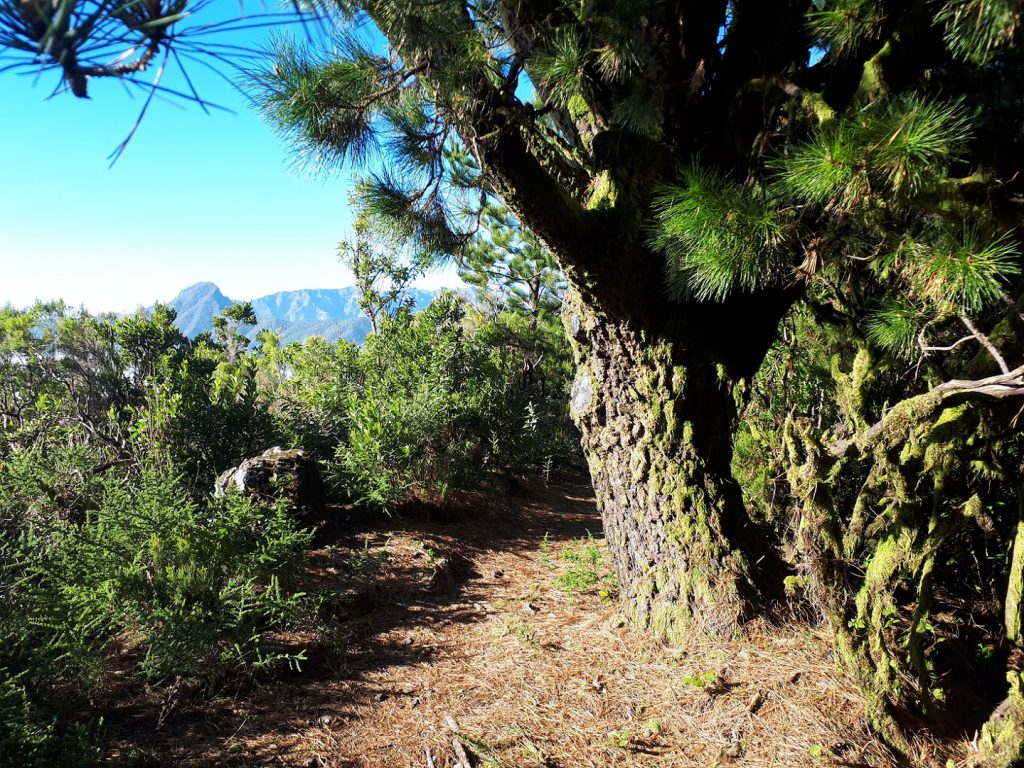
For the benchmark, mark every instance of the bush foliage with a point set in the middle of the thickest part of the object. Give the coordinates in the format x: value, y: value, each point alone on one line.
x: 113, y: 430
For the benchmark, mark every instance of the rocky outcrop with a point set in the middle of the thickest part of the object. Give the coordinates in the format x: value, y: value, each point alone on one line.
x: 277, y: 473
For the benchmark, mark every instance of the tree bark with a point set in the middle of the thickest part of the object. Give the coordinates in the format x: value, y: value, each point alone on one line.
x: 1002, y: 739
x: 657, y: 419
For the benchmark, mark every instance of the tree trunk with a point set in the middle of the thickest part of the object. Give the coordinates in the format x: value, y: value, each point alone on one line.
x: 1002, y: 739
x: 657, y: 421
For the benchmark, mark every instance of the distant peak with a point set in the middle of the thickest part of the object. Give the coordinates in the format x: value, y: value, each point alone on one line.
x: 202, y: 287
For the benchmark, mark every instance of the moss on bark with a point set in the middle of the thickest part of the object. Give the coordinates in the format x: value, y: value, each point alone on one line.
x: 898, y: 519
x: 1002, y: 740
x: 657, y: 435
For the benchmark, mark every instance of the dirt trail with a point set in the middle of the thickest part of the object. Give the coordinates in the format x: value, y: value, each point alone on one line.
x: 497, y: 618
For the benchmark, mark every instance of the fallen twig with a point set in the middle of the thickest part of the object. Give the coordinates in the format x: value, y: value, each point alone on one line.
x: 461, y: 756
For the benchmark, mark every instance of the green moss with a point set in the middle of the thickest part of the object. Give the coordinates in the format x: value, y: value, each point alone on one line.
x: 796, y: 586
x: 815, y: 104
x: 739, y: 393
x: 639, y: 464
x: 604, y: 192
x: 669, y: 623
x: 680, y: 530
x: 678, y: 379
x: 661, y: 578
x: 852, y: 388
x: 577, y: 106
x: 895, y: 529
x: 1002, y: 739
x: 901, y: 421
x: 872, y: 81
x: 1014, y: 606
x: 670, y: 420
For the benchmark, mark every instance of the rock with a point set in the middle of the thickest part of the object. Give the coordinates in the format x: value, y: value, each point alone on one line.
x: 448, y: 571
x: 274, y: 474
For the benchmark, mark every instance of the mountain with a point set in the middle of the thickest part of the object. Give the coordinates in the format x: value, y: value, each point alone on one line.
x: 332, y: 313
x: 196, y: 306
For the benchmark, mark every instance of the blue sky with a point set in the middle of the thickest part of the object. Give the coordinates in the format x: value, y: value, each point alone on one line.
x: 195, y: 197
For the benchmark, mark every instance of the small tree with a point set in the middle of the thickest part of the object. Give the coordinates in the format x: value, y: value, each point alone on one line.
x: 511, y: 269
x: 382, y: 278
x: 227, y: 329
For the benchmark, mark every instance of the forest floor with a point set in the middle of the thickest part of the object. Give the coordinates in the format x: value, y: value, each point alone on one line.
x: 493, y: 627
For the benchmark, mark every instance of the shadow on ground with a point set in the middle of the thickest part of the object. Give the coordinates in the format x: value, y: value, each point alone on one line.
x: 393, y: 584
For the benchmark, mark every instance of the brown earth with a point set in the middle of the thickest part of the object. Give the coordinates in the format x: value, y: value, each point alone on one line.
x: 494, y: 626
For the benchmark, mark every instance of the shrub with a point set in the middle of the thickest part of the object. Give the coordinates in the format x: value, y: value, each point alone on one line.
x: 198, y: 589
x: 418, y: 424
x: 27, y: 740
x: 310, y: 405
x: 444, y: 402
x: 200, y: 584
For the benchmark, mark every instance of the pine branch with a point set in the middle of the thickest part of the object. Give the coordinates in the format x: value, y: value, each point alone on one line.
x: 492, y: 129
x: 902, y: 417
x: 985, y: 342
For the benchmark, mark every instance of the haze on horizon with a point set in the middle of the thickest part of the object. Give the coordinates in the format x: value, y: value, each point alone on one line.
x: 195, y: 198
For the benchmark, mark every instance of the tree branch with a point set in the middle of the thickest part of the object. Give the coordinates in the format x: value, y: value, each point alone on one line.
x: 896, y: 424
x: 986, y: 342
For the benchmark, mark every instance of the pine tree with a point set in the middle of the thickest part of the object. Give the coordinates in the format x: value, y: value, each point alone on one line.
x: 511, y: 269
x: 519, y: 292
x: 697, y: 169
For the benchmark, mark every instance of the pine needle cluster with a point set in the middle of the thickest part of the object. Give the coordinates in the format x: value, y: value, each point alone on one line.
x: 718, y: 237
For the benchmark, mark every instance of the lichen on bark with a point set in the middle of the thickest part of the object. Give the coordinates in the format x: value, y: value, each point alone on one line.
x: 871, y: 555
x: 656, y: 429
x: 1002, y: 739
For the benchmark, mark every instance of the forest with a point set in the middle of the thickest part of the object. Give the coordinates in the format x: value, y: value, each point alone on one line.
x: 750, y: 270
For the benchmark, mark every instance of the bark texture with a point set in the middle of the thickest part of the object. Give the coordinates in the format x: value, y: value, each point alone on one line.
x: 871, y: 558
x: 1002, y: 739
x: 657, y: 423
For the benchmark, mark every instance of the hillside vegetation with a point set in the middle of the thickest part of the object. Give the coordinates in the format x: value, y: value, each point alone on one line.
x: 114, y: 430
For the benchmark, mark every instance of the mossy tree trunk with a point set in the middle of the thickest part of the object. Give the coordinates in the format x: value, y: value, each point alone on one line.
x: 657, y: 418
x: 877, y: 511
x: 1002, y: 740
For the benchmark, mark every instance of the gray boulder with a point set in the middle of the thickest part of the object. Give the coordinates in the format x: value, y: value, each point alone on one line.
x: 277, y: 473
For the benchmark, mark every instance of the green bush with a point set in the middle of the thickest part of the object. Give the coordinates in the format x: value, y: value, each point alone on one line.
x: 438, y: 405
x: 27, y: 740
x: 531, y: 433
x: 416, y: 425
x: 199, y: 584
x: 310, y: 405
x: 197, y: 589
x: 199, y: 416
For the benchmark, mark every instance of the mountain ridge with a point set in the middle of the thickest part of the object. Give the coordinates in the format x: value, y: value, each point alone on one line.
x: 332, y: 313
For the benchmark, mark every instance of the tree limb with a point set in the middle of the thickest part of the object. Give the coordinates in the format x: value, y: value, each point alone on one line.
x: 986, y: 342
x: 905, y: 415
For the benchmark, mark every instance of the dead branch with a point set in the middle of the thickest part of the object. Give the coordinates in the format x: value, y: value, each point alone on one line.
x: 461, y: 756
x: 1000, y: 386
